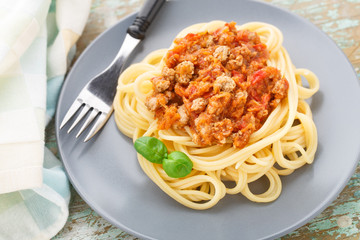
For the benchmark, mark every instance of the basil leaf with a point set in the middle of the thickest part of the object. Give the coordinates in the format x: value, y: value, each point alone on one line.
x: 177, y: 165
x: 151, y: 148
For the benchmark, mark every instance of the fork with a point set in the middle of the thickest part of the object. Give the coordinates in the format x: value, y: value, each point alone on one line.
x: 96, y: 98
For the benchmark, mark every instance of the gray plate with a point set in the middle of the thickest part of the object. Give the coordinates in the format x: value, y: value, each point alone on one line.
x: 106, y: 174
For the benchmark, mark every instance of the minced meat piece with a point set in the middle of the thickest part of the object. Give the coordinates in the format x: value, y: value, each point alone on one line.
x: 155, y: 102
x: 222, y: 129
x: 224, y: 83
x: 168, y: 73
x: 198, y: 105
x: 218, y: 103
x: 235, y: 64
x: 160, y: 84
x: 280, y: 89
x: 222, y: 53
x: 184, y: 72
x: 184, y: 117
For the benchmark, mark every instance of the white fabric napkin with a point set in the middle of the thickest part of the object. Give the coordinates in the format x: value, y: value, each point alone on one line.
x: 37, y: 38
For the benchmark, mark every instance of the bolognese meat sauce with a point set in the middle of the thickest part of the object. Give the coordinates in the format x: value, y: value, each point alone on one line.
x: 219, y: 85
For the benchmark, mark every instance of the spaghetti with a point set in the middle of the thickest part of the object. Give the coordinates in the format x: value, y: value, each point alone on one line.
x: 282, y: 142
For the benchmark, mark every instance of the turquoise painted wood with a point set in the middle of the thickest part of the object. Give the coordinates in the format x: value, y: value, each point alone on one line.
x: 339, y: 19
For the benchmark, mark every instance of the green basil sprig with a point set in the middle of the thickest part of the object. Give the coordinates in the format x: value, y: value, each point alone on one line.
x: 151, y: 148
x: 176, y: 164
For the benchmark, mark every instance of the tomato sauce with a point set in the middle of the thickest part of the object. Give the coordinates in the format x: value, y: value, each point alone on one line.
x: 219, y: 85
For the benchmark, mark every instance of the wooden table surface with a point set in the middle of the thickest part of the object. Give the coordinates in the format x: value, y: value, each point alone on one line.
x: 339, y: 19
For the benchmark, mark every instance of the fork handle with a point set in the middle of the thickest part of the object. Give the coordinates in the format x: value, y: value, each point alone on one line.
x: 144, y: 18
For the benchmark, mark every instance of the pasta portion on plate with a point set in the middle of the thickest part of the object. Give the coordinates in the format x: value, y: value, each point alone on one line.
x: 229, y: 97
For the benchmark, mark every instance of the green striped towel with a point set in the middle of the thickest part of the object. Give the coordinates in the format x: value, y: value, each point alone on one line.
x: 37, y: 39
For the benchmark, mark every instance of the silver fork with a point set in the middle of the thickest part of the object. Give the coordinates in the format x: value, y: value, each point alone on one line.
x: 97, y: 95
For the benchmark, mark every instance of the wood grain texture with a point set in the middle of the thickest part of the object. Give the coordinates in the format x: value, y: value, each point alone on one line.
x: 339, y: 19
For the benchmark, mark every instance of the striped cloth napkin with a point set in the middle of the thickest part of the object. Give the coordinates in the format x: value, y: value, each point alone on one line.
x: 37, y: 40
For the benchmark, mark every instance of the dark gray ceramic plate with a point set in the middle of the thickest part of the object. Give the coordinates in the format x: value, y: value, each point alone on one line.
x: 106, y: 174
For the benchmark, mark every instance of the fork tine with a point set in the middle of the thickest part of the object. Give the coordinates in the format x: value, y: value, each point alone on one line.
x: 72, y: 110
x: 97, y: 126
x: 83, y: 112
x: 93, y: 114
